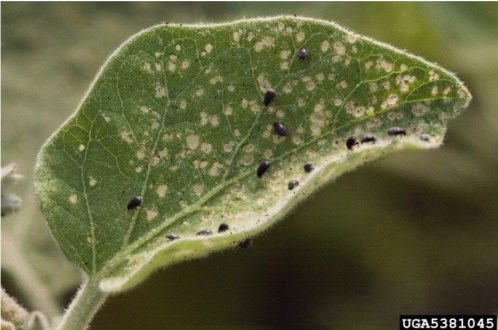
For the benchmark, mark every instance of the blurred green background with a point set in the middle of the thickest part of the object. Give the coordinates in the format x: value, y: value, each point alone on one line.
x: 413, y: 233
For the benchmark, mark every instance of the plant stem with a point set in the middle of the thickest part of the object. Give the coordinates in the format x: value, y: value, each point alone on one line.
x: 82, y: 309
x: 27, y: 279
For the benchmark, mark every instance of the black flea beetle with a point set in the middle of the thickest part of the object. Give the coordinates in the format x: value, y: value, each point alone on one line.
x: 393, y: 131
x: 135, y: 202
x: 171, y: 237
x: 269, y: 96
x: 303, y: 54
x: 245, y: 244
x: 293, y: 184
x: 368, y: 138
x: 223, y: 227
x: 279, y: 129
x: 308, y: 167
x: 351, y: 142
x: 263, y: 167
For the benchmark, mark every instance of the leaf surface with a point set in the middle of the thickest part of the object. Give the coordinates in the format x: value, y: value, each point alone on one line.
x: 177, y: 118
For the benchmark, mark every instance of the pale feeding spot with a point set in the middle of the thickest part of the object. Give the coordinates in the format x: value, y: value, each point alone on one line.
x: 231, y: 88
x: 246, y: 159
x: 249, y: 148
x: 264, y: 83
x: 300, y: 36
x: 373, y: 87
x: 199, y: 92
x: 228, y: 147
x: 309, y: 83
x: 204, y: 118
x: 106, y: 118
x: 236, y: 132
x: 325, y: 45
x: 318, y: 119
x: 214, y: 120
x: 206, y: 148
x: 198, y: 189
x: 284, y: 54
x: 403, y: 67
x: 368, y: 65
x: 337, y: 102
x: 433, y: 76
x: 161, y: 190
x: 268, y: 153
x: 185, y: 64
x: 215, y: 79
x: 320, y: 76
x: 167, y: 137
x: 171, y: 66
x: 144, y: 109
x: 192, y: 141
x: 215, y: 169
x: 236, y: 36
x: 287, y: 88
x: 92, y: 182
x: 228, y: 110
x: 343, y: 84
x: 126, y: 136
x: 280, y: 114
x: 158, y: 66
x: 383, y: 64
x: 81, y: 147
x: 434, y: 91
x: 208, y: 48
x: 139, y: 169
x: 73, y: 198
x: 296, y: 139
x: 163, y: 153
x: 90, y: 240
x: 141, y: 153
x: 393, y: 115
x: 147, y: 67
x: 352, y: 37
x: 155, y: 124
x: 250, y: 36
x: 419, y: 109
x: 331, y: 76
x: 178, y: 48
x: 446, y: 90
x: 183, y: 104
x: 374, y: 123
x: 339, y: 48
x: 300, y: 102
x: 160, y: 90
x: 151, y: 214
x: 358, y: 111
x: 284, y: 66
x: 391, y: 101
x: 266, y: 41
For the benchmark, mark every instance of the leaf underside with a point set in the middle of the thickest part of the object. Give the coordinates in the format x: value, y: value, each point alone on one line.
x: 176, y: 117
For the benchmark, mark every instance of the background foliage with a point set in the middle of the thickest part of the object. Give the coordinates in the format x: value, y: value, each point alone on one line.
x: 415, y: 233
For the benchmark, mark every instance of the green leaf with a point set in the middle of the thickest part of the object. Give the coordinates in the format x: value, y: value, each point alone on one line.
x: 176, y: 117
